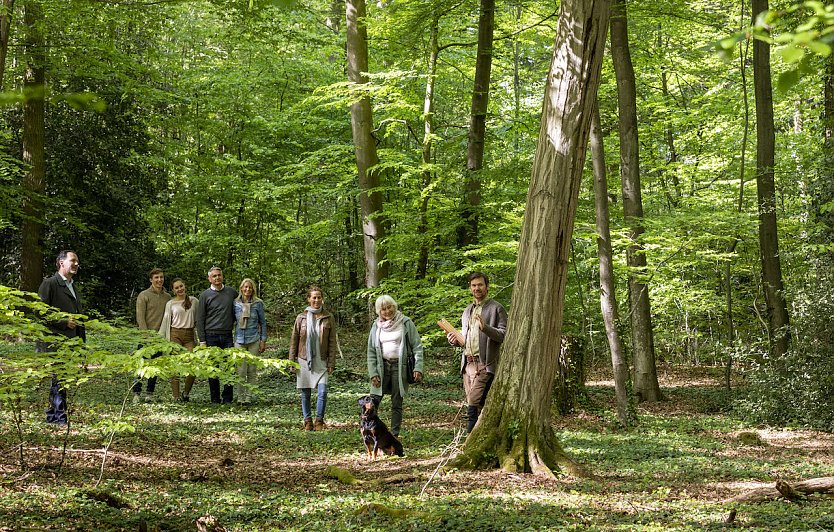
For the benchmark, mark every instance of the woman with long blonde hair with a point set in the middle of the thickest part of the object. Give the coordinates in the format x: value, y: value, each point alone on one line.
x: 250, y: 334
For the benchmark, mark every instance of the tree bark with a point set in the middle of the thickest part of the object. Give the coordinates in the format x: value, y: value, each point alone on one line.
x: 6, y: 11
x: 428, y: 137
x: 744, y: 49
x: 607, y: 283
x: 828, y: 96
x: 34, y: 185
x: 470, y: 215
x: 514, y: 428
x: 370, y: 199
x: 646, y: 387
x: 777, y: 309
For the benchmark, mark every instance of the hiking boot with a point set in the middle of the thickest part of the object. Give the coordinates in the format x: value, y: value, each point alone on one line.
x: 319, y: 424
x: 308, y: 424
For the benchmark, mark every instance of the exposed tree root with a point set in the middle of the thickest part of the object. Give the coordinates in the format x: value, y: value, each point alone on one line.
x: 537, y: 465
x: 527, y: 452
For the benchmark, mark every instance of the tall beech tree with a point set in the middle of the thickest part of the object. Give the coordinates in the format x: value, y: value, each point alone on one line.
x: 34, y: 185
x: 361, y: 117
x: 646, y: 387
x: 428, y: 140
x: 777, y: 308
x: 515, y: 424
x: 6, y: 11
x: 607, y: 282
x: 468, y: 233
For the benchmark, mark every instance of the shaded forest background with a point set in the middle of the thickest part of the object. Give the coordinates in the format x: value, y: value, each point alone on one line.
x: 182, y: 135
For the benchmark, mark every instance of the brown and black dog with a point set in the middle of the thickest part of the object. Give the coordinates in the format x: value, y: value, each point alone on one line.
x: 375, y: 434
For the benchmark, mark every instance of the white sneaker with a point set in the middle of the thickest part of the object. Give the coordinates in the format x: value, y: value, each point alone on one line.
x: 136, y: 399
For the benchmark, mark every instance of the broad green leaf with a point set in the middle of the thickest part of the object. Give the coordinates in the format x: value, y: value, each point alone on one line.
x: 820, y: 48
x: 787, y: 80
x: 791, y: 54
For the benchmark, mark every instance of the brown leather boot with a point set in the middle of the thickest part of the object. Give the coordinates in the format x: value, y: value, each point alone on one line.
x: 308, y: 424
x: 319, y: 424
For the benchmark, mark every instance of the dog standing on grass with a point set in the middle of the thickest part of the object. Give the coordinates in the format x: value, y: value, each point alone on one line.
x: 375, y: 434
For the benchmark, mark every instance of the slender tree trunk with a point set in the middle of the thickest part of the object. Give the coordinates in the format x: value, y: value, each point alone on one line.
x: 334, y: 18
x: 516, y: 83
x: 777, y: 308
x: 607, y: 283
x: 470, y: 215
x: 674, y: 196
x: 646, y: 387
x: 828, y: 95
x: 514, y: 428
x: 6, y: 11
x: 370, y: 199
x: 744, y: 49
x: 34, y: 185
x: 428, y: 137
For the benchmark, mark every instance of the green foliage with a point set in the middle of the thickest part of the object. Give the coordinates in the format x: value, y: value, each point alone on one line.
x: 796, y: 389
x: 798, y: 39
x: 110, y: 351
x: 254, y: 468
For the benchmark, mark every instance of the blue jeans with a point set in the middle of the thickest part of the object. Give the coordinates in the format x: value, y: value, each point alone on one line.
x: 321, y: 402
x: 224, y: 340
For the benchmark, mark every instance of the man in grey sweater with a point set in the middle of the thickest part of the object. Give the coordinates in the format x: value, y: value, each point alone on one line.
x: 215, y: 325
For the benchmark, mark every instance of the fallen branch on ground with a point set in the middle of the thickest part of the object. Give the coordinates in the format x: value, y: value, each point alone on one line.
x: 346, y: 477
x: 400, y: 513
x: 792, y: 492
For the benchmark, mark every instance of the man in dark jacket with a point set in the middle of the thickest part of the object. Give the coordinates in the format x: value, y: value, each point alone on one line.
x: 215, y: 324
x: 60, y: 291
x: 484, y: 323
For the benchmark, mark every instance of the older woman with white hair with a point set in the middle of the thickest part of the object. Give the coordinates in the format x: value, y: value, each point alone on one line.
x: 392, y: 340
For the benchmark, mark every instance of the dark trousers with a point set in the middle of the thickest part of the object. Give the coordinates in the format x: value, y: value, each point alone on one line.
x: 137, y: 386
x: 57, y: 411
x: 391, y: 386
x: 224, y: 340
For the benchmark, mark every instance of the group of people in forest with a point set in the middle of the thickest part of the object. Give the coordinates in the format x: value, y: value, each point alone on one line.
x: 225, y: 317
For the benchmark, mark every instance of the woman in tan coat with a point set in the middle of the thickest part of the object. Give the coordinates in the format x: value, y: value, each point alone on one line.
x: 313, y: 344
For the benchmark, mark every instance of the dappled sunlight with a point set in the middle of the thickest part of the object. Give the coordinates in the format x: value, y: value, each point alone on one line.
x: 679, y: 462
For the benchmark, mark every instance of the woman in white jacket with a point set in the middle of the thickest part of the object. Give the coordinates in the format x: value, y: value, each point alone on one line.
x: 179, y: 326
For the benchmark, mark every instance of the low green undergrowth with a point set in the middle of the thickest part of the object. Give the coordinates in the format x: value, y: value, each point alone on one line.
x: 254, y: 468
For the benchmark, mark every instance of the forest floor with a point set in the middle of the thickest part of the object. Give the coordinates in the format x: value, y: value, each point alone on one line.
x: 254, y: 468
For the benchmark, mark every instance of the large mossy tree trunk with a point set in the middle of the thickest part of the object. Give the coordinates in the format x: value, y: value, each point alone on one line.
x: 777, y: 308
x: 514, y: 428
x: 646, y: 386
x: 361, y: 118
